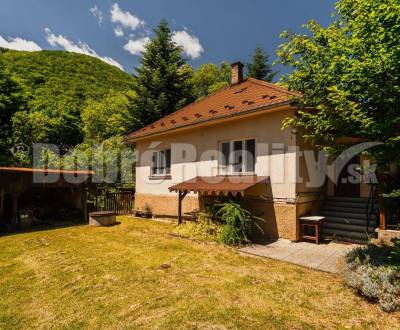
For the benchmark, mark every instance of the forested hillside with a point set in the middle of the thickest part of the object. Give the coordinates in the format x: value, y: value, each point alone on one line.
x: 57, y: 86
x: 85, y: 107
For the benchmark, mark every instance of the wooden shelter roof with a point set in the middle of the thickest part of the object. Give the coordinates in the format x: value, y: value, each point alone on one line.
x: 219, y: 184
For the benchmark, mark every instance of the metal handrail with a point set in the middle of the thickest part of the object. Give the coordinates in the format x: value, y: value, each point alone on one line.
x: 370, y: 204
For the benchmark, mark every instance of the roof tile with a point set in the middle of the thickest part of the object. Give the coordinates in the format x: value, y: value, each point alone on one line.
x: 234, y: 99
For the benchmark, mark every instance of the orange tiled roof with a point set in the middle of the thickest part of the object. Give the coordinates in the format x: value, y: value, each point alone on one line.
x: 249, y: 95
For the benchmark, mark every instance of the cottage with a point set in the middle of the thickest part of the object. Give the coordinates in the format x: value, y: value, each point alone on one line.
x: 231, y: 143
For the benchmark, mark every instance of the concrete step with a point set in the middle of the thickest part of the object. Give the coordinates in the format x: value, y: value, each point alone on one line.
x: 346, y: 215
x: 348, y: 199
x: 348, y: 227
x: 335, y: 208
x: 357, y: 222
x: 345, y: 235
x: 358, y: 206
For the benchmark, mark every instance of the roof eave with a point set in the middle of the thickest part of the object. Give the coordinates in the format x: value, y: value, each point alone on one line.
x: 211, y: 121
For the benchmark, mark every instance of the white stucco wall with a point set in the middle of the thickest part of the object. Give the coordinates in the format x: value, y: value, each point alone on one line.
x: 195, y: 153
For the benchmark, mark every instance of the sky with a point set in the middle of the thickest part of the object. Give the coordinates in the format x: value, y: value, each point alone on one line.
x: 117, y: 31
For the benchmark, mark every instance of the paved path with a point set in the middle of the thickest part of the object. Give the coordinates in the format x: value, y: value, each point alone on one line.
x: 325, y: 257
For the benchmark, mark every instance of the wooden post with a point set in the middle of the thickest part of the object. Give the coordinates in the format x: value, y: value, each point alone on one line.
x: 84, y: 204
x: 14, y: 220
x: 1, y: 204
x: 382, y: 216
x: 181, y: 196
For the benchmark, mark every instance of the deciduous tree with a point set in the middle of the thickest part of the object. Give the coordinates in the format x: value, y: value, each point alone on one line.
x: 349, y: 72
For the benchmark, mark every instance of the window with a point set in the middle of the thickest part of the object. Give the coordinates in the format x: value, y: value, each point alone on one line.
x: 161, y: 162
x: 238, y: 156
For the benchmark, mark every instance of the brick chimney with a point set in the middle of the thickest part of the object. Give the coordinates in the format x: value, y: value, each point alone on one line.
x: 236, y: 73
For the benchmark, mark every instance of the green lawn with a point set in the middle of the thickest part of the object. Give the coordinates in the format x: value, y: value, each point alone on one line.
x: 84, y: 277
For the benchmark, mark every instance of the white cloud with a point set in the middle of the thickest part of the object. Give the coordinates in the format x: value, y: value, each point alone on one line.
x: 97, y: 13
x: 190, y: 44
x: 118, y: 32
x: 125, y: 18
x: 19, y: 44
x: 80, y: 47
x: 138, y: 46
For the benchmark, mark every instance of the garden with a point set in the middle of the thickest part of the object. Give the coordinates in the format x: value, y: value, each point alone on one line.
x: 138, y: 275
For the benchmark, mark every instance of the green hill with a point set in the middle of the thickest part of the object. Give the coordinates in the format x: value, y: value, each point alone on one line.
x: 57, y: 85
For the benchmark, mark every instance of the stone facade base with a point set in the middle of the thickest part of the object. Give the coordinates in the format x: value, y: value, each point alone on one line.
x: 165, y: 205
x: 280, y: 219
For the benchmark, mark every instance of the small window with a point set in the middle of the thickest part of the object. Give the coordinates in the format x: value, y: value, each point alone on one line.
x: 161, y: 162
x: 238, y: 156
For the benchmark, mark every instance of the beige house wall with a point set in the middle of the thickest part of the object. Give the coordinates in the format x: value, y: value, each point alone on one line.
x: 279, y: 155
x: 195, y: 153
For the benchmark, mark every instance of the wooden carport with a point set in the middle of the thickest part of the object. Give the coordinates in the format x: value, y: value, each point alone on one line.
x: 14, y: 181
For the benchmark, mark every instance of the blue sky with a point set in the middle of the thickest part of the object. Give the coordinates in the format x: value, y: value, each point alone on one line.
x: 209, y: 31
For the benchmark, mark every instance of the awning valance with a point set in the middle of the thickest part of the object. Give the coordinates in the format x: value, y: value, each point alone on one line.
x: 208, y: 185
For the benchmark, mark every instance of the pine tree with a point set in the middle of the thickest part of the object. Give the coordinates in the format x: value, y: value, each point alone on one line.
x: 11, y: 101
x: 260, y: 67
x: 162, y: 84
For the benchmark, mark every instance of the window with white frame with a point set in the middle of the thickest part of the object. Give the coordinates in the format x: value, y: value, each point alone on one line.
x: 161, y: 162
x: 238, y: 156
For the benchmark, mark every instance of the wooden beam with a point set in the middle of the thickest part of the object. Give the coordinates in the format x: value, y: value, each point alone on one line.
x: 84, y: 205
x: 1, y: 204
x: 14, y: 220
x: 181, y: 196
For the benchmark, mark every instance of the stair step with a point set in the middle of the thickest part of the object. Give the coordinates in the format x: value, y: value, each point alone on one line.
x: 348, y: 227
x: 335, y: 208
x: 348, y: 199
x: 345, y: 235
x: 338, y: 214
x: 359, y: 222
x: 361, y: 206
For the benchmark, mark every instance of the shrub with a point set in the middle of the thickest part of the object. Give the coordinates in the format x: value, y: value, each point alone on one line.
x: 237, y: 223
x: 205, y: 229
x: 373, y: 271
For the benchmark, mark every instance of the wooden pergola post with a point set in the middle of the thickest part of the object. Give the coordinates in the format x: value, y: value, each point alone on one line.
x: 181, y: 196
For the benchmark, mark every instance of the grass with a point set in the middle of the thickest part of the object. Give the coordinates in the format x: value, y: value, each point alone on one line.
x: 85, y: 277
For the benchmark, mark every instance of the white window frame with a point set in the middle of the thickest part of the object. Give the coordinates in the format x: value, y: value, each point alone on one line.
x: 160, y: 163
x: 228, y: 170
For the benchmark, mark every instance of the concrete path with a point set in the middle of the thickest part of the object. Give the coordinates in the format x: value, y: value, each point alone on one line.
x: 324, y: 257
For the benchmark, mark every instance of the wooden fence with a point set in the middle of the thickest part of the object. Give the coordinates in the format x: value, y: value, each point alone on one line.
x: 119, y: 202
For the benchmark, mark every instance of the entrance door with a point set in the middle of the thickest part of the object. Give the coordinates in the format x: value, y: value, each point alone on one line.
x: 348, y: 184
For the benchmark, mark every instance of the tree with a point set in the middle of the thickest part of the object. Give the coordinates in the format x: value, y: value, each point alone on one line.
x: 162, y: 79
x: 11, y: 100
x: 260, y: 67
x: 209, y: 78
x: 59, y: 85
x: 111, y: 116
x: 349, y: 73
